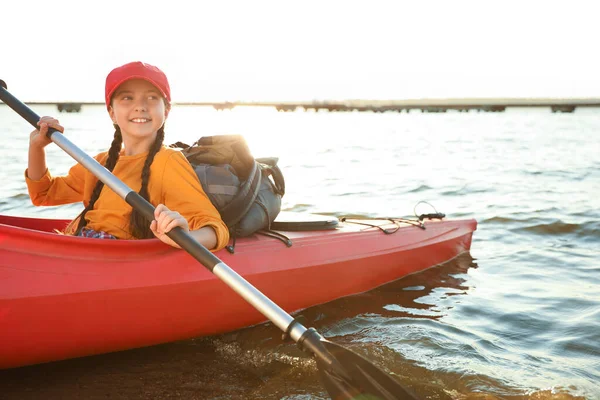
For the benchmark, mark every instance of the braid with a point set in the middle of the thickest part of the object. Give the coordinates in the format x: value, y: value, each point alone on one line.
x: 139, y: 225
x: 113, y: 156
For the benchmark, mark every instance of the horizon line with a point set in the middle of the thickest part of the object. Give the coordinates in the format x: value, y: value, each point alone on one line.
x: 414, y: 102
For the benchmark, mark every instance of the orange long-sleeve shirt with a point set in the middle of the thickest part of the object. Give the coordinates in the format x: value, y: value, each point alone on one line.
x: 173, y: 183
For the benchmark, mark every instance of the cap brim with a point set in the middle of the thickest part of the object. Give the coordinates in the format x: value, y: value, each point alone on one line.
x: 110, y: 94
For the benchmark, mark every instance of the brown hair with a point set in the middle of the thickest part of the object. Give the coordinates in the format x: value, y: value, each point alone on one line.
x: 139, y: 226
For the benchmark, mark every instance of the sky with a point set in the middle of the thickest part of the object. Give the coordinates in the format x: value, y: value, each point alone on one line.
x: 257, y: 50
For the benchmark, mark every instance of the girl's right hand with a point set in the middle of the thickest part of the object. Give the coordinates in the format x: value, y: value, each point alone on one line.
x: 38, y: 137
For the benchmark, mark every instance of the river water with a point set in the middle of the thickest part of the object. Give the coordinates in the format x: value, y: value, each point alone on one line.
x: 517, y: 318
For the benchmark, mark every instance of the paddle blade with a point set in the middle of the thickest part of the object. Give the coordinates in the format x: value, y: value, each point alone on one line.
x: 358, y: 379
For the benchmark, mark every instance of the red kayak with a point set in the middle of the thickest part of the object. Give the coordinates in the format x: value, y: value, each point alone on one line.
x: 64, y: 297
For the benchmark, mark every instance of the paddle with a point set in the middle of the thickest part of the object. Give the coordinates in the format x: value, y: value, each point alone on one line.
x: 345, y: 374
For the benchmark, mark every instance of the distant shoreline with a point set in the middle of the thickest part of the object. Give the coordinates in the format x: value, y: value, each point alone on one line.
x: 509, y: 101
x: 432, y: 105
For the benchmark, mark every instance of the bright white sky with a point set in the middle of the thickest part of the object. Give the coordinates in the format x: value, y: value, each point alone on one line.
x: 304, y: 50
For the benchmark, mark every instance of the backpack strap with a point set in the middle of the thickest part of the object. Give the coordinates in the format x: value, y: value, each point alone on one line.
x: 270, y: 167
x: 233, y: 212
x: 179, y: 145
x: 278, y: 179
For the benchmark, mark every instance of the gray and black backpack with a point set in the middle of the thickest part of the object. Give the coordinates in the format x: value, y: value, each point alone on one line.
x: 246, y: 191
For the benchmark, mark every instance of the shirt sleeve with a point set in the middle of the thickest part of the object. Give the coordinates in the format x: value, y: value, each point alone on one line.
x: 53, y: 191
x: 183, y: 193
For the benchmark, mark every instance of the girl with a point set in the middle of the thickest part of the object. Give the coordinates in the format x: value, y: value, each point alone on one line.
x: 138, y: 100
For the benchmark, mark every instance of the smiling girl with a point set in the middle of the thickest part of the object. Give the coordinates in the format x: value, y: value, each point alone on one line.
x: 138, y: 100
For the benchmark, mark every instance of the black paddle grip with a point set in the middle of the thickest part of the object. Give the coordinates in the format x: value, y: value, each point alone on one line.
x: 21, y: 109
x: 178, y: 235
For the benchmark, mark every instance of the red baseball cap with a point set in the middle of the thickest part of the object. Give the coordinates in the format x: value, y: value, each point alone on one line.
x: 136, y: 70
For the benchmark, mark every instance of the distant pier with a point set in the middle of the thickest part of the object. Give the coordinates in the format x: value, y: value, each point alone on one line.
x: 567, y: 105
x: 69, y: 107
x: 564, y: 105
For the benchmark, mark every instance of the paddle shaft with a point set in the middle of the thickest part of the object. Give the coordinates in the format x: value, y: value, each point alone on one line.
x: 231, y: 278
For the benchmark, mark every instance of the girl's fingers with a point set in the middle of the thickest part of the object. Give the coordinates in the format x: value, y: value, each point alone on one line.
x: 38, y: 137
x: 58, y: 128
x: 153, y: 227
x: 163, y: 217
x: 165, y: 220
x: 43, y: 128
x: 162, y: 222
x: 48, y: 122
x: 158, y: 211
x: 170, y: 221
x: 181, y: 222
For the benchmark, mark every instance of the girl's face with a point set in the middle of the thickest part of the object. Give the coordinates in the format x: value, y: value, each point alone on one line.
x: 139, y: 109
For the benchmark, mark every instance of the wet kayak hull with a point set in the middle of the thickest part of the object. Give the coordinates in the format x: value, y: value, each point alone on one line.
x: 63, y: 297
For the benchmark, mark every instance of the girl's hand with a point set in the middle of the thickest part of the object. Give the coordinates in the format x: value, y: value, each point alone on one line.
x: 38, y: 137
x: 164, y: 221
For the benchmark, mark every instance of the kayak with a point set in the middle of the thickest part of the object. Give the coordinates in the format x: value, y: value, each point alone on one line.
x: 63, y: 297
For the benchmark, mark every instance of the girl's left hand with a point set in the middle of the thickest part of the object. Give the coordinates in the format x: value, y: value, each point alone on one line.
x: 164, y: 221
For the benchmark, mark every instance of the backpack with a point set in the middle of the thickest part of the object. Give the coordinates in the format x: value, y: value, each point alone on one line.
x: 246, y: 191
